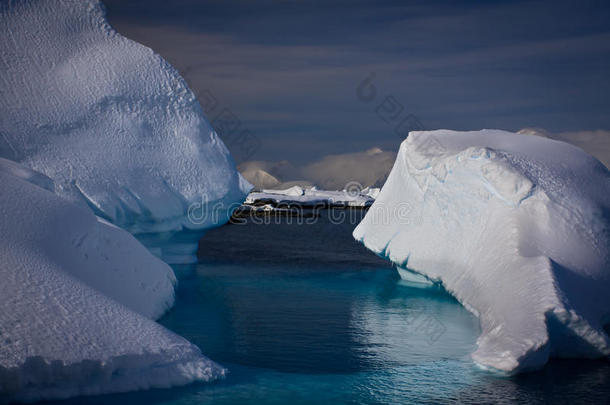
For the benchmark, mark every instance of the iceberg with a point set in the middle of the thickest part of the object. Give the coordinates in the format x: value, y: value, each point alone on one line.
x: 516, y: 227
x: 112, y: 123
x: 77, y: 294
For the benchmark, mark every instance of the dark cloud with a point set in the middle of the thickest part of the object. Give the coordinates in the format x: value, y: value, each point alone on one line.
x: 289, y: 70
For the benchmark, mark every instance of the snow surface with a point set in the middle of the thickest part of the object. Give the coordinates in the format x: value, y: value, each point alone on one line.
x: 108, y: 120
x: 516, y: 227
x: 76, y: 297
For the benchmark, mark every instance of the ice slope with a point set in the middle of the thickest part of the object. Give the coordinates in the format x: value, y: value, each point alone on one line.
x: 130, y: 275
x: 76, y: 296
x: 108, y: 120
x: 517, y: 227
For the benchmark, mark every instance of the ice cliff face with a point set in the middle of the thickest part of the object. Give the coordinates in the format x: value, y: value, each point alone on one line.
x: 517, y: 227
x: 108, y: 120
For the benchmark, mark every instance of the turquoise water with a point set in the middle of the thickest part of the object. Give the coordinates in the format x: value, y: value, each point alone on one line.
x: 300, y: 313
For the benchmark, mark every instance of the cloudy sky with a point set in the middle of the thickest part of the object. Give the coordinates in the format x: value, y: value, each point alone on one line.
x: 291, y: 71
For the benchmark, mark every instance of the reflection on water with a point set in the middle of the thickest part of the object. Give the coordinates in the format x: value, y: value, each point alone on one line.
x: 303, y: 314
x: 337, y: 321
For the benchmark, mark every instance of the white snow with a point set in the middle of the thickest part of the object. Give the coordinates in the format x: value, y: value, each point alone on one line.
x: 516, y: 227
x: 76, y: 297
x: 108, y: 120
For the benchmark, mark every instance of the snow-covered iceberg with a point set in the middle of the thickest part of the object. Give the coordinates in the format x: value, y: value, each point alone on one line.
x: 110, y: 121
x: 77, y: 294
x: 517, y: 227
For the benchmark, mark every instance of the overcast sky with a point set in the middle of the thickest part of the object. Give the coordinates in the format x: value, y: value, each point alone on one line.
x: 290, y: 70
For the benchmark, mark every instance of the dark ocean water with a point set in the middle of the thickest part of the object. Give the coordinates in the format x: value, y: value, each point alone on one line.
x: 301, y: 313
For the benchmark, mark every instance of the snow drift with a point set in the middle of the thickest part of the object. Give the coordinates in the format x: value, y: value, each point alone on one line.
x: 76, y: 297
x: 108, y: 120
x: 516, y: 227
